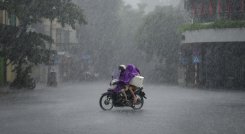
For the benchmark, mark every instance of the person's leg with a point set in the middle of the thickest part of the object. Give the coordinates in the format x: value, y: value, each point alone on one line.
x: 125, y: 95
x: 124, y: 92
x: 132, y: 93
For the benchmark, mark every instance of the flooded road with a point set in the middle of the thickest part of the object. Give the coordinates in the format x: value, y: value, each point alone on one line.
x: 74, y: 109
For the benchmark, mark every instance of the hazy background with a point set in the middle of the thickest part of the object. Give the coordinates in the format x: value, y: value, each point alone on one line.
x: 131, y: 31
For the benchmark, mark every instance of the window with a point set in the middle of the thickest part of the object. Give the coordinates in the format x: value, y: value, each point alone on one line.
x: 12, y: 20
x: 1, y: 17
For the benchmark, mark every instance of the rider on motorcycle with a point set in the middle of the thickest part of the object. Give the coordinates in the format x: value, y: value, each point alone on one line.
x: 126, y: 75
x: 120, y: 84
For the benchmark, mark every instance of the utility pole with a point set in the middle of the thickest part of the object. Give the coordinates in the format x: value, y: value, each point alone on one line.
x: 49, y: 54
x: 51, y: 78
x: 196, y: 75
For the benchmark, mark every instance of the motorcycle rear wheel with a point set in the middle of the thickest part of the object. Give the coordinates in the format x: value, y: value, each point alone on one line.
x: 106, y: 102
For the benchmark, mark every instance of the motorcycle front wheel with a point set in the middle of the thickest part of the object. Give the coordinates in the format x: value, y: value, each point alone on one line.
x: 106, y: 102
x: 139, y: 104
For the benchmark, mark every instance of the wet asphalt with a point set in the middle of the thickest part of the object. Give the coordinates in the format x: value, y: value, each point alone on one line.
x: 73, y: 108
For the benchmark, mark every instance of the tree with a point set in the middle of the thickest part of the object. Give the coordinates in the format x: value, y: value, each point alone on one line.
x: 98, y: 38
x: 152, y: 4
x: 23, y: 47
x: 158, y: 37
x: 32, y: 11
x: 130, y: 20
x: 110, y: 35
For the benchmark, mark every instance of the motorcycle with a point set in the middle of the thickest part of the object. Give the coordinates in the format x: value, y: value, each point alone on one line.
x: 110, y: 99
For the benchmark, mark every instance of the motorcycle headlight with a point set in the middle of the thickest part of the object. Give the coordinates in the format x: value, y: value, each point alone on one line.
x: 113, y: 86
x: 113, y: 82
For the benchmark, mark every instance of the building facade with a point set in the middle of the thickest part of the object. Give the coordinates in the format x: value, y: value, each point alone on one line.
x: 65, y: 43
x: 2, y: 64
x: 6, y: 73
x: 63, y: 48
x: 212, y: 52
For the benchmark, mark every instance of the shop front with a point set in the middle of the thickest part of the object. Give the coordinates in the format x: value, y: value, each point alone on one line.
x: 213, y: 65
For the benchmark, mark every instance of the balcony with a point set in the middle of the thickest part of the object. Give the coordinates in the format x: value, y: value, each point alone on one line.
x: 214, y: 35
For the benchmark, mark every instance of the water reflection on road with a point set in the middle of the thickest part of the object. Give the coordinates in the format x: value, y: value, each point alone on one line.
x: 74, y: 108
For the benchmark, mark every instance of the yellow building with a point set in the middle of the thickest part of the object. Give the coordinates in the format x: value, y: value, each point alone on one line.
x: 2, y: 63
x: 6, y: 73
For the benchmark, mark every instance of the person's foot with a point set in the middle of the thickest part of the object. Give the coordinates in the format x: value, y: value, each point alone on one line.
x: 135, y: 100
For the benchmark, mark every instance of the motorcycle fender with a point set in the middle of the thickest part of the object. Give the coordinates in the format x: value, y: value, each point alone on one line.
x: 142, y: 94
x: 107, y: 93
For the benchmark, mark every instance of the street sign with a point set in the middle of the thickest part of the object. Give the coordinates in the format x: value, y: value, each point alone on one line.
x: 86, y: 57
x: 196, y: 59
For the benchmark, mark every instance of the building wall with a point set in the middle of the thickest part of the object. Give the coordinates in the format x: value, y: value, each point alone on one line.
x: 1, y: 59
x: 40, y: 72
x: 1, y: 16
x: 64, y: 38
x: 215, y: 35
x: 1, y: 71
x: 10, y: 75
x: 213, y: 58
x: 210, y: 10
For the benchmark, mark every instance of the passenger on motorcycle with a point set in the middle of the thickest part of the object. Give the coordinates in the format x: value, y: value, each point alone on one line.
x: 130, y: 72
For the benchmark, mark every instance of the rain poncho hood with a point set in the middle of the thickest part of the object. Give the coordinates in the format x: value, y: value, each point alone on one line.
x: 130, y: 72
x: 125, y: 77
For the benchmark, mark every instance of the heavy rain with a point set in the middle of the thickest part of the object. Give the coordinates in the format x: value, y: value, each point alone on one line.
x: 122, y: 66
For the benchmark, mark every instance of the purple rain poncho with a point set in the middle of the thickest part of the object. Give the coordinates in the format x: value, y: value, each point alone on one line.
x: 126, y: 76
x: 130, y: 72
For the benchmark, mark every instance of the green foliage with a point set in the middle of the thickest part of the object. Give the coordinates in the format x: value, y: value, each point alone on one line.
x: 158, y: 37
x: 220, y: 24
x: 24, y: 48
x: 64, y: 11
x: 32, y: 11
x: 130, y: 20
x: 27, y: 47
x: 100, y: 35
x: 109, y: 36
